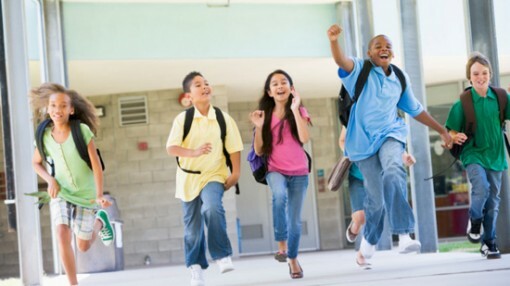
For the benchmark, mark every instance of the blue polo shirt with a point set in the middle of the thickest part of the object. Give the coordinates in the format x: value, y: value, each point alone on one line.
x: 374, y: 117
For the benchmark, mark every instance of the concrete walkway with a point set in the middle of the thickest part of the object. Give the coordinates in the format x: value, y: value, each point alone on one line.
x: 324, y: 268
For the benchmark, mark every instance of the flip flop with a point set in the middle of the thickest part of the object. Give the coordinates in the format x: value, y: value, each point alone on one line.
x: 365, y: 265
x: 351, y: 237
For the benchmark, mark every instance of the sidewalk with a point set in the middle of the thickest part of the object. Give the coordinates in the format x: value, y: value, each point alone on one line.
x: 324, y: 268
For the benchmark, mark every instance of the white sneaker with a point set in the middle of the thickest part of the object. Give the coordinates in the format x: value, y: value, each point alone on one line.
x: 197, y: 275
x: 366, y: 249
x: 407, y: 245
x: 225, y: 264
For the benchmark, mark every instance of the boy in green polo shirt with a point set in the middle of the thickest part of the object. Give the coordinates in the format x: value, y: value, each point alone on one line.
x: 483, y: 156
x: 202, y: 177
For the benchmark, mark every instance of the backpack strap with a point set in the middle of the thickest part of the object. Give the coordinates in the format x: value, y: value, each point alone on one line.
x: 502, y: 97
x: 39, y: 134
x: 362, y: 79
x: 400, y: 75
x: 188, y: 120
x: 81, y: 145
x: 79, y: 141
x: 466, y: 99
x: 223, y: 129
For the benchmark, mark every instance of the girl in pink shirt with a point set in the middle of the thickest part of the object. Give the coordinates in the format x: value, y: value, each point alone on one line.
x: 281, y: 129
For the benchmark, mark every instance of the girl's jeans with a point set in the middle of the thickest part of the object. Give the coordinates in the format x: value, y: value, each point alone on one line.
x: 288, y: 195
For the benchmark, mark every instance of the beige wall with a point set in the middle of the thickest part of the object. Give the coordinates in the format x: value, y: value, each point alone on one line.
x: 143, y: 182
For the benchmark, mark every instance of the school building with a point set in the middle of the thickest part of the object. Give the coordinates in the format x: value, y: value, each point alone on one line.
x: 129, y: 58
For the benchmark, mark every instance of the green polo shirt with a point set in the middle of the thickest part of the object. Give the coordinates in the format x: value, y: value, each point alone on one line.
x: 74, y: 176
x: 489, y: 151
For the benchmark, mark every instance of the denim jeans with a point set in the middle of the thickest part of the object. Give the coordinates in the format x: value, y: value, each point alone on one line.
x: 386, y: 187
x: 357, y: 194
x: 485, y: 186
x: 288, y: 195
x: 206, y: 208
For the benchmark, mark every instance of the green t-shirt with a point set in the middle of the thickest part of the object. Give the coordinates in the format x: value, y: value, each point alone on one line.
x: 489, y: 150
x: 74, y: 176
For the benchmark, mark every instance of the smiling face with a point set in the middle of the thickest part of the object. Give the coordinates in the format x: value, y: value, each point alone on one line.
x: 479, y: 76
x: 381, y: 51
x: 279, y: 88
x: 60, y: 107
x: 200, y: 91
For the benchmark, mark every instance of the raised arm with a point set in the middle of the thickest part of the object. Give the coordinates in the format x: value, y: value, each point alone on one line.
x: 340, y: 58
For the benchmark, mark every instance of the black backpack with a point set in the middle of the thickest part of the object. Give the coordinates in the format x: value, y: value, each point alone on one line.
x: 466, y: 99
x: 188, y: 120
x: 78, y: 139
x: 345, y: 102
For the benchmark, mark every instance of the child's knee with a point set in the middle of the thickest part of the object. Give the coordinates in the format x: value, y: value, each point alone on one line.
x: 83, y: 245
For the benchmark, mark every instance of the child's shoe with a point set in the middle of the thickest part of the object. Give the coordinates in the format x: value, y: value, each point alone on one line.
x: 366, y: 249
x: 474, y: 230
x: 197, y: 275
x: 106, y: 233
x: 225, y: 264
x: 407, y: 245
x: 490, y: 250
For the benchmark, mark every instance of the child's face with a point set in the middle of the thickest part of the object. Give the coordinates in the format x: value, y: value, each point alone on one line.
x: 479, y: 76
x: 200, y: 91
x: 60, y: 107
x: 279, y: 88
x: 381, y: 51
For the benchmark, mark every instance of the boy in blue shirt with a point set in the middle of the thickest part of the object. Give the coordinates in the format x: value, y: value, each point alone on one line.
x: 375, y: 140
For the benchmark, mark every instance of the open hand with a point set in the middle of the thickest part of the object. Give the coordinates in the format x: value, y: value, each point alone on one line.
x: 296, y: 100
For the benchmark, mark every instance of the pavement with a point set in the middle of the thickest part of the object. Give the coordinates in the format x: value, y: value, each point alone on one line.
x: 322, y: 268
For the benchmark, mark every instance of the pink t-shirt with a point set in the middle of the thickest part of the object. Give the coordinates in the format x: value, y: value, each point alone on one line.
x: 288, y: 156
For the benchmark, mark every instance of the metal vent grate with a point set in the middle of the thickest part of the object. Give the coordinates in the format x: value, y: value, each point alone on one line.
x: 133, y: 110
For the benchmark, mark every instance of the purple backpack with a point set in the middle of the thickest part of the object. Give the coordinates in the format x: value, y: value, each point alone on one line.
x: 258, y: 165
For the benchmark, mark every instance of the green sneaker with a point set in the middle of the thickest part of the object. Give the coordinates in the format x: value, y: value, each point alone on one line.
x: 106, y: 233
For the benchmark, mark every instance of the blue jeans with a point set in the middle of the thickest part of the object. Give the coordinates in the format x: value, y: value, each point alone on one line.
x: 288, y: 195
x: 206, y: 208
x: 485, y: 186
x: 386, y: 187
x: 357, y: 194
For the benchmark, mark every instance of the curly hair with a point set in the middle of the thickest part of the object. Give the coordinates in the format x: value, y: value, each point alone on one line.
x: 84, y: 110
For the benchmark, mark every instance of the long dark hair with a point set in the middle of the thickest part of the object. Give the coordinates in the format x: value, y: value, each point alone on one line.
x: 267, y: 104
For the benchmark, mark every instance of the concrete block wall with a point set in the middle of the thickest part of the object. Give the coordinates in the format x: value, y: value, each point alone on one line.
x: 143, y: 182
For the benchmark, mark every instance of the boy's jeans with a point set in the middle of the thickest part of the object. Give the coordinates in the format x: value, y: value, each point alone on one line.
x: 385, y: 184
x: 288, y: 195
x: 485, y: 186
x: 208, y: 208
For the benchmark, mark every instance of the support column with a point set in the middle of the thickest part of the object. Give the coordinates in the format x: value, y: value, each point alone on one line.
x: 422, y: 191
x: 482, y: 38
x: 28, y: 227
x: 53, y: 69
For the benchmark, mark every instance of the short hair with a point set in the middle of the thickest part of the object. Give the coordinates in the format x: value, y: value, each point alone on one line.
x: 186, y: 83
x: 477, y: 57
x: 371, y: 42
